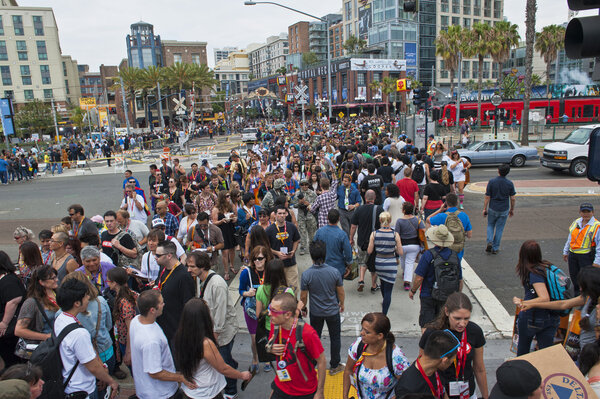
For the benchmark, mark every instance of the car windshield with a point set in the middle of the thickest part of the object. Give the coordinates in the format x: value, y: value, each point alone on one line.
x: 474, y: 146
x: 579, y: 136
x: 249, y: 130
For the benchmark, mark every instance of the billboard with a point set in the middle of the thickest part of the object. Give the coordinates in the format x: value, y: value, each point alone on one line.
x: 364, y: 21
x: 8, y: 124
x: 410, y: 54
x: 87, y: 102
x: 369, y: 64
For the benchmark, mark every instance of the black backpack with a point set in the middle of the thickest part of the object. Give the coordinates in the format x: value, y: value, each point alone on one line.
x: 389, y: 349
x: 447, y: 275
x: 47, y: 357
x: 418, y: 173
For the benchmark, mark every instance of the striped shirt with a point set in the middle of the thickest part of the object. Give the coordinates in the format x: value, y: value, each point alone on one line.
x: 385, y: 260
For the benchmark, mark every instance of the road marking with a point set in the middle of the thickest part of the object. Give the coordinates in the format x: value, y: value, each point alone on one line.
x: 488, y: 301
x: 531, y: 169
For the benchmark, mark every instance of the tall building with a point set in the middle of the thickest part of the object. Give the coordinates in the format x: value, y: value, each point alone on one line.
x: 268, y: 57
x: 298, y: 37
x: 311, y: 36
x: 143, y: 47
x: 336, y: 38
x: 232, y: 74
x: 223, y: 53
x: 174, y: 51
x: 31, y: 62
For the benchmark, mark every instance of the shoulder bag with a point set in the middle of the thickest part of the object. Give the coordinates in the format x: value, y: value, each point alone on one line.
x: 250, y: 301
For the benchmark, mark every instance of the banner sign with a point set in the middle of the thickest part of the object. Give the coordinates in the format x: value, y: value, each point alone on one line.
x: 8, y: 124
x: 368, y: 64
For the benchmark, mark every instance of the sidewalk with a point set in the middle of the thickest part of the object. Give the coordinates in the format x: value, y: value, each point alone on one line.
x: 545, y: 187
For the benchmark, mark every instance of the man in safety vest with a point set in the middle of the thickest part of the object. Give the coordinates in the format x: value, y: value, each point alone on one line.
x: 581, y: 246
x: 431, y: 143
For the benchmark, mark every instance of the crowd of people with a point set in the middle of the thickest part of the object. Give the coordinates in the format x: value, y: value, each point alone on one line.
x: 148, y: 282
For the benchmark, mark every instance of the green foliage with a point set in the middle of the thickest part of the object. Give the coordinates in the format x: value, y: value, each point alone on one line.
x: 309, y: 58
x: 354, y: 44
x: 218, y: 104
x: 448, y: 45
x: 34, y: 117
x: 77, y: 115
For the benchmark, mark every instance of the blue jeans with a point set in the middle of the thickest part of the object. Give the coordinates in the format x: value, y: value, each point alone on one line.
x: 334, y: 325
x: 3, y: 176
x: 386, y: 293
x: 576, y: 263
x: 495, y: 227
x: 225, y: 351
x: 539, y: 324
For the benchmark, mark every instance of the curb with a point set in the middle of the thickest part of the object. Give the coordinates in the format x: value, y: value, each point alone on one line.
x: 474, y: 188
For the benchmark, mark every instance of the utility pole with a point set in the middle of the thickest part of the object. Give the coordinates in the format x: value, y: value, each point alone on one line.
x: 107, y: 111
x: 160, y: 110
x: 125, y: 106
x: 54, y: 117
x: 458, y: 92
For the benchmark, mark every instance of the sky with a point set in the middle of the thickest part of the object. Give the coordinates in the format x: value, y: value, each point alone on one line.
x: 93, y: 32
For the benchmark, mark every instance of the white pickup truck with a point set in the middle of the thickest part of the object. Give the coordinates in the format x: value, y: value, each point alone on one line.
x: 570, y: 153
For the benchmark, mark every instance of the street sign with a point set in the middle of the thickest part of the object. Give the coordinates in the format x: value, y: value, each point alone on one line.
x: 301, y: 93
x: 179, y: 105
x: 341, y: 114
x: 496, y: 100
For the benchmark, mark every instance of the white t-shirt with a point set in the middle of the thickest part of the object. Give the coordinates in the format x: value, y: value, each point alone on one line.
x: 149, y: 266
x: 137, y: 229
x: 210, y: 382
x: 458, y: 172
x: 77, y: 345
x: 133, y: 210
x: 105, y: 258
x: 180, y: 250
x: 150, y: 354
x: 183, y: 228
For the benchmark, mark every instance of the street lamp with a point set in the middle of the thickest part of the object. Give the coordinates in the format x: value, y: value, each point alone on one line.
x: 253, y: 3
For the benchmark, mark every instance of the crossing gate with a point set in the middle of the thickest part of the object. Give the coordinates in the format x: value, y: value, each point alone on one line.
x: 206, y: 153
x: 81, y: 167
x: 120, y: 164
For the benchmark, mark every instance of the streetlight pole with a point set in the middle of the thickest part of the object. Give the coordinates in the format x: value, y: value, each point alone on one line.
x: 252, y: 3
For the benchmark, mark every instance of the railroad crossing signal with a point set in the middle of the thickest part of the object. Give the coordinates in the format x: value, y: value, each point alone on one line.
x: 180, y: 107
x: 301, y: 94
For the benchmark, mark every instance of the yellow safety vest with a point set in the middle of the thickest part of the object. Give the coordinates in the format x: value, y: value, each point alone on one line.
x: 582, y: 239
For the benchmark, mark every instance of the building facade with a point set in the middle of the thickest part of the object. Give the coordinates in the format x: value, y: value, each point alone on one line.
x: 143, y: 47
x: 32, y: 66
x: 267, y: 58
x: 298, y: 38
x: 336, y: 38
x: 223, y: 53
x: 232, y: 74
x: 174, y: 51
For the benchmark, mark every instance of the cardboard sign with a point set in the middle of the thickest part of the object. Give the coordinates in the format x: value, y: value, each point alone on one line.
x: 561, y: 379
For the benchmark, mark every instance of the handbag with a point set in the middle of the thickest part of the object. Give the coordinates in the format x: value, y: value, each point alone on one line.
x: 262, y: 339
x: 351, y: 272
x: 467, y: 177
x: 250, y: 301
x: 370, y: 262
x: 24, y: 349
x: 571, y: 342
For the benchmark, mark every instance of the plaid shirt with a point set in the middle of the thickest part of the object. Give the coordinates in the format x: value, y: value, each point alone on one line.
x: 171, y: 224
x: 324, y: 203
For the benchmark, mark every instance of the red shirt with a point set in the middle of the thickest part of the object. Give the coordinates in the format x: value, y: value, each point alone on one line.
x: 297, y: 386
x: 408, y: 187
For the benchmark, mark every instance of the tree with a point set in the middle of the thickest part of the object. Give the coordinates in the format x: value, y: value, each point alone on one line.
x: 513, y: 86
x: 448, y: 45
x: 387, y: 86
x: 374, y: 86
x: 309, y: 58
x: 530, y: 10
x: 132, y: 79
x: 354, y: 44
x: 33, y: 117
x: 478, y: 45
x: 283, y: 70
x: 548, y: 42
x: 218, y: 104
x: 504, y: 36
x: 77, y: 116
x: 153, y: 77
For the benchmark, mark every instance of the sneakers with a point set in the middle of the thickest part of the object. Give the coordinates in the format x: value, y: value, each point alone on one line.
x: 229, y: 396
x: 361, y: 286
x: 340, y: 367
x: 120, y: 374
x: 488, y: 248
x: 267, y: 367
x: 461, y: 206
x: 375, y: 289
x: 494, y: 251
x: 406, y: 286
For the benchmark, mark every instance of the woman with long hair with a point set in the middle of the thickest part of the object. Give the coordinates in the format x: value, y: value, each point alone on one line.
x: 538, y: 323
x: 367, y: 367
x: 73, y: 248
x: 439, y: 154
x: 251, y: 278
x: 589, y: 284
x: 253, y: 182
x: 124, y: 307
x: 296, y: 172
x: 589, y: 365
x: 408, y: 227
x: 274, y: 278
x: 446, y: 177
x: 31, y: 257
x: 224, y: 215
x: 433, y: 194
x: 175, y: 195
x: 12, y: 293
x: 469, y: 366
x: 314, y: 183
x: 459, y: 167
x: 187, y: 223
x: 33, y: 326
x: 21, y: 235
x: 196, y: 353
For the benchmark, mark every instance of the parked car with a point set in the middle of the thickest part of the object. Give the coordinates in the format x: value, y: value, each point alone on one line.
x: 570, y: 153
x: 498, y: 152
x: 250, y: 134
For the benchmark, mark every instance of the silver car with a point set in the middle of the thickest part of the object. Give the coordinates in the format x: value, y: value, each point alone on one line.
x: 498, y: 152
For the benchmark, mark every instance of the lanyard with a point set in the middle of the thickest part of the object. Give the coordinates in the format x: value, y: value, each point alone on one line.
x: 260, y: 279
x: 288, y: 338
x: 132, y: 205
x: 71, y: 316
x: 361, y: 359
x: 461, y: 357
x: 160, y: 284
x: 440, y: 389
x: 53, y: 301
x: 279, y: 233
x: 194, y: 176
x: 47, y: 259
x: 76, y: 232
x: 99, y: 278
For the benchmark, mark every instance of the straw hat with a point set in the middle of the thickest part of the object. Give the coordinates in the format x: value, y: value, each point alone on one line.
x: 440, y: 236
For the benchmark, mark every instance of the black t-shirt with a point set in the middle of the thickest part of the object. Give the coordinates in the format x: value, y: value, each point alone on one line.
x: 475, y: 339
x: 363, y: 218
x: 386, y: 172
x: 11, y: 287
x: 434, y: 192
x: 411, y: 381
x: 373, y: 182
x: 292, y: 236
x: 87, y: 227
x: 177, y: 288
x: 107, y: 248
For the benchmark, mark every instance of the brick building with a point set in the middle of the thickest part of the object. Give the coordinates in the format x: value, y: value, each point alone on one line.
x: 185, y: 52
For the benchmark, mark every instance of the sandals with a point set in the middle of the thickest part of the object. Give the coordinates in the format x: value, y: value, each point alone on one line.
x: 226, y: 277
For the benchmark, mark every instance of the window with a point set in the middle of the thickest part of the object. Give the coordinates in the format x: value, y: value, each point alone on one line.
x: 466, y: 70
x: 456, y: 6
x: 444, y: 22
x: 467, y: 7
x: 443, y: 71
x: 176, y: 57
x: 360, y: 78
x: 9, y: 94
x: 467, y: 23
x: 505, y: 145
x: 48, y: 93
x: 43, y: 53
x: 25, y: 75
x: 455, y: 20
x: 497, y: 9
x: 38, y: 25
x: 196, y: 59
x: 45, y: 71
x: 444, y: 6
x: 28, y: 94
x: 5, y: 72
x: 348, y: 9
x: 486, y: 146
x: 3, y: 52
x: 477, y: 7
x: 588, y: 111
x: 18, y: 25
x: 22, y: 50
x: 67, y: 86
x: 1, y: 26
x: 487, y: 8
x: 344, y: 80
x: 475, y: 69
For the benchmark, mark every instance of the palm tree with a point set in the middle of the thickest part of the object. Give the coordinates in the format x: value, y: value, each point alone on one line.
x: 548, y: 42
x: 132, y: 79
x: 504, y: 36
x: 388, y: 86
x: 530, y: 10
x: 448, y: 46
x: 154, y: 77
x: 478, y: 45
x: 374, y: 86
x: 202, y: 78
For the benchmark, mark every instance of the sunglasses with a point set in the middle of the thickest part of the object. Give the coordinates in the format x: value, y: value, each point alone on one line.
x: 260, y: 258
x: 159, y: 255
x: 276, y: 312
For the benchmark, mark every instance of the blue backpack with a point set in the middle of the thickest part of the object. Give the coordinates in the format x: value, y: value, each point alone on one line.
x: 559, y: 285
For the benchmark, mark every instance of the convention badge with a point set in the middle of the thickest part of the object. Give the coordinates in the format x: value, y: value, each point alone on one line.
x: 283, y: 250
x: 283, y: 375
x: 281, y: 364
x: 459, y: 388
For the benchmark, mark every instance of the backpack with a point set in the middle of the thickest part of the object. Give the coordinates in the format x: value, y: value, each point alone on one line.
x: 447, y: 275
x: 389, y: 349
x: 47, y: 357
x: 418, y: 173
x: 124, y: 260
x: 455, y: 226
x: 302, y: 348
x: 559, y: 286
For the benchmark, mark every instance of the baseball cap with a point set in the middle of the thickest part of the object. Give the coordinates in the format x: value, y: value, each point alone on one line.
x: 158, y: 222
x: 516, y: 379
x: 586, y: 206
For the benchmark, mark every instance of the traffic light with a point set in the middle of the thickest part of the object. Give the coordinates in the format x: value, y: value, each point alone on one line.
x: 417, y: 100
x: 581, y: 36
x: 410, y: 6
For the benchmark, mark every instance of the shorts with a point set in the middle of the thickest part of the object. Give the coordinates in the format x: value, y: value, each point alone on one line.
x: 279, y: 394
x: 362, y: 257
x: 430, y: 308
